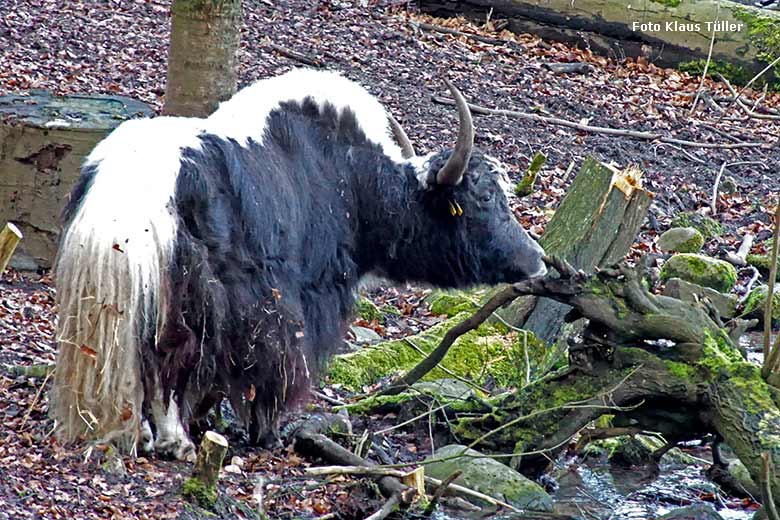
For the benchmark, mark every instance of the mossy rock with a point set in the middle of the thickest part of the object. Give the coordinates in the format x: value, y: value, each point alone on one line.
x: 196, y: 490
x: 756, y: 302
x: 490, y: 477
x: 701, y: 270
x: 705, y: 225
x: 490, y: 352
x: 726, y: 304
x: 681, y: 240
x: 452, y: 302
x: 694, y: 512
x: 366, y: 309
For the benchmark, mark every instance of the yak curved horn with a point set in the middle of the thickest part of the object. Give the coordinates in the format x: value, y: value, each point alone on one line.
x: 407, y: 150
x: 452, y: 172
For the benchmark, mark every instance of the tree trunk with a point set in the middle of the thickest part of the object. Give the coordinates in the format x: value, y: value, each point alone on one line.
x: 202, y: 64
x: 660, y: 31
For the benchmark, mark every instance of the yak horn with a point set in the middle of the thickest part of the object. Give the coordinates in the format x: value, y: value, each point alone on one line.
x: 407, y: 150
x: 452, y: 172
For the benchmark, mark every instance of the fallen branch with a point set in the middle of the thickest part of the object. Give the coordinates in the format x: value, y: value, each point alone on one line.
x: 743, y: 106
x: 772, y: 356
x: 446, y: 30
x: 634, y: 134
x: 439, y: 491
x: 703, y: 74
x: 748, y: 84
x: 714, y: 200
x: 390, y: 506
x: 294, y: 55
x: 568, y: 68
x: 740, y: 257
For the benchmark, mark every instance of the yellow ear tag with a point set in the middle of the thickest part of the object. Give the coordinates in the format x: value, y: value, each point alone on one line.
x: 453, y: 211
x: 460, y: 210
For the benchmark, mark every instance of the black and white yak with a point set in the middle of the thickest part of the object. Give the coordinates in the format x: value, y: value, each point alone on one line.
x: 204, y: 258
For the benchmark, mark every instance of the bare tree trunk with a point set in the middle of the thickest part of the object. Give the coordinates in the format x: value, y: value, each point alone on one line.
x: 202, y: 65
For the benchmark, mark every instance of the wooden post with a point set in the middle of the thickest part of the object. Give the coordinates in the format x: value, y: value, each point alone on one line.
x: 201, y: 487
x: 9, y: 238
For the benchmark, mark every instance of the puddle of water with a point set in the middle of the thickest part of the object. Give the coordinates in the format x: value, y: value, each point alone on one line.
x: 598, y: 491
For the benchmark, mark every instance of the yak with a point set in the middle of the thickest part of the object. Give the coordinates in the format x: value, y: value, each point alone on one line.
x: 214, y: 258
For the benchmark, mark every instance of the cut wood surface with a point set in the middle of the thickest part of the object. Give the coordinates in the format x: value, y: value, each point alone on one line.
x: 9, y: 238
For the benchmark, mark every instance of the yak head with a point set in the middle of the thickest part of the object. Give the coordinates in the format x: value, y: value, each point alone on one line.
x: 467, y: 234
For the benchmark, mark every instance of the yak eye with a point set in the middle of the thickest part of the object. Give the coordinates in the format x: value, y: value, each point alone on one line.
x: 487, y: 197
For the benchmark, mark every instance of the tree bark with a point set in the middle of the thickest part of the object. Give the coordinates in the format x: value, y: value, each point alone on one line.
x: 9, y: 238
x: 202, y: 63
x: 201, y: 487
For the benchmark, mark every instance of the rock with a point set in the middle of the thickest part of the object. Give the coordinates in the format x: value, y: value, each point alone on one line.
x: 631, y: 452
x: 756, y: 301
x: 681, y: 240
x: 701, y: 270
x: 490, y: 477
x: 697, y: 512
x: 452, y: 302
x: 364, y: 335
x: 705, y: 225
x: 690, y: 292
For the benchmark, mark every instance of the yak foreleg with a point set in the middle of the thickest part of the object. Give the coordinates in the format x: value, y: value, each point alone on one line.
x: 172, y: 439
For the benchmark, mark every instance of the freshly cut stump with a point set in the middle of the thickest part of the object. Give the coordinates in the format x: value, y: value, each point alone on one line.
x: 201, y: 487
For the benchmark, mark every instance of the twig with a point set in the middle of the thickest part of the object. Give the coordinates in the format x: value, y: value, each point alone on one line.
x: 635, y: 134
x: 771, y: 508
x: 297, y: 56
x: 471, y: 493
x: 391, y: 505
x: 743, y: 106
x: 446, y: 30
x: 439, y: 491
x: 748, y: 84
x: 716, y: 184
x: 35, y: 400
x: 771, y: 356
x: 703, y: 74
x: 446, y: 370
x: 372, y: 471
x: 328, y: 399
x: 713, y: 202
x: 740, y: 257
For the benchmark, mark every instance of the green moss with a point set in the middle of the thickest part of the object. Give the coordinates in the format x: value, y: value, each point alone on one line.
x: 490, y: 352
x: 526, y: 186
x: 390, y: 310
x: 681, y: 240
x: 450, y: 303
x: 668, y: 3
x: 366, y: 309
x: 702, y: 270
x: 756, y: 302
x: 705, y: 225
x: 764, y: 32
x: 680, y: 370
x: 736, y: 74
x: 196, y: 490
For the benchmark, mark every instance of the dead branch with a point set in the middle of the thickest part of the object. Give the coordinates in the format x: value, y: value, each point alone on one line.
x: 748, y: 84
x: 9, y: 238
x: 390, y: 506
x: 439, y: 491
x: 294, y: 55
x: 446, y: 30
x: 703, y: 75
x: 772, y: 356
x: 746, y: 109
x: 568, y: 68
x: 634, y: 134
x: 740, y: 257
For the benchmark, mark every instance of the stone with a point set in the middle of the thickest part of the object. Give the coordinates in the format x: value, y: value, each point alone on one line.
x: 701, y: 270
x: 681, y: 240
x: 366, y: 309
x: 696, y: 512
x: 726, y: 304
x: 490, y: 477
x: 708, y: 227
x: 756, y: 302
x: 364, y: 335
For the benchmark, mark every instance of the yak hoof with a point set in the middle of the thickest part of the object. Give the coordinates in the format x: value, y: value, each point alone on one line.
x: 179, y: 448
x: 146, y: 442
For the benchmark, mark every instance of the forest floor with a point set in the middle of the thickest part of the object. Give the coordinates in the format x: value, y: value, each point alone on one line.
x: 119, y: 47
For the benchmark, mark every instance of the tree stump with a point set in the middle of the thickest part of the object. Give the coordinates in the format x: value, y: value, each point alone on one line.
x: 201, y: 487
x: 43, y: 142
x: 594, y: 226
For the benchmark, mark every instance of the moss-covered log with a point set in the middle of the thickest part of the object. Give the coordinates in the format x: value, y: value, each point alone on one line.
x: 651, y: 361
x: 665, y: 32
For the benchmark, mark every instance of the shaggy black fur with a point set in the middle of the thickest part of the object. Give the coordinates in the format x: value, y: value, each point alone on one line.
x: 274, y: 237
